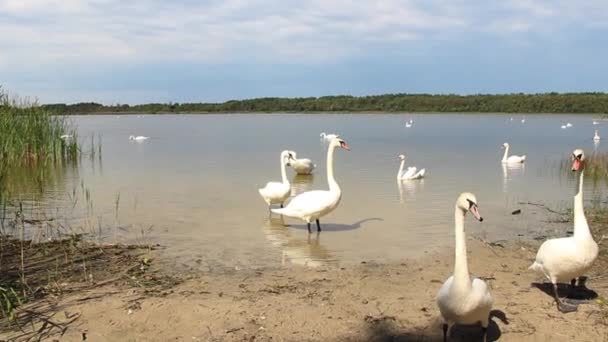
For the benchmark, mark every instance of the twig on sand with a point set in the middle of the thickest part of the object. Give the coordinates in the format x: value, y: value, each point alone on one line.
x: 542, y: 206
x: 234, y: 330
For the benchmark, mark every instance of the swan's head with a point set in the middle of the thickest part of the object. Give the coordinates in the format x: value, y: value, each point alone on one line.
x: 578, y: 160
x: 287, y: 156
x: 505, y: 145
x: 291, y: 156
x: 131, y: 137
x: 468, y: 202
x: 338, y: 142
x: 401, y: 157
x: 322, y: 134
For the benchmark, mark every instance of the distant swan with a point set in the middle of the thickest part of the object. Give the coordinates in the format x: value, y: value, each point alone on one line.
x: 302, y: 166
x: 596, y: 122
x: 411, y: 171
x: 565, y: 259
x: 596, y: 137
x: 328, y: 137
x: 564, y: 126
x: 311, y: 205
x: 409, y: 124
x: 523, y: 120
x: 462, y: 300
x: 511, y: 159
x: 568, y: 125
x: 138, y: 138
x: 278, y: 192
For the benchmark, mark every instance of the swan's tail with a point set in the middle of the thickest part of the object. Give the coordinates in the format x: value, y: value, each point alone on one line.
x: 523, y: 158
x: 536, y: 267
x: 421, y: 173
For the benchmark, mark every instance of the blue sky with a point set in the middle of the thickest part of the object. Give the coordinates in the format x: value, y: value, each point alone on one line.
x: 137, y: 51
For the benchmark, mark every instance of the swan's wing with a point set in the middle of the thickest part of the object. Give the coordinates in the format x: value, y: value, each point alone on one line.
x: 309, y: 202
x: 273, y: 189
x: 411, y: 171
x: 420, y: 173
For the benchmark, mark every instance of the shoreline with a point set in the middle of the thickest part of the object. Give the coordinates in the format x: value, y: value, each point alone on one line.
x: 366, y: 302
x: 601, y: 116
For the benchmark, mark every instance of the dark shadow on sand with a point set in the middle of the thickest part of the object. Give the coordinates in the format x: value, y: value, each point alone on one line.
x: 579, y: 292
x: 386, y: 329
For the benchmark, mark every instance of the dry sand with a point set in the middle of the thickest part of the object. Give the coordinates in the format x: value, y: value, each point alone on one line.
x: 366, y: 302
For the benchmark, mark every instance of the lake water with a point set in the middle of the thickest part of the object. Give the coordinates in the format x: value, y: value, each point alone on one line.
x: 192, y: 186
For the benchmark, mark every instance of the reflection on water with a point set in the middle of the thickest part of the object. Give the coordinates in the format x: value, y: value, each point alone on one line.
x: 301, y: 251
x: 301, y: 183
x: 408, y: 188
x: 510, y: 172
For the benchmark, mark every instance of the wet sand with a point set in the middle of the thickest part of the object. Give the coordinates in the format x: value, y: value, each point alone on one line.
x: 365, y: 302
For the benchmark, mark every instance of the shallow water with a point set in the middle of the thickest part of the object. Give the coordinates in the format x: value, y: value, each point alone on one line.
x: 193, y: 185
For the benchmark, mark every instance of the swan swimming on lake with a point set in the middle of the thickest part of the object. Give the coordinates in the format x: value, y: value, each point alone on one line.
x: 278, y: 192
x: 564, y: 126
x: 596, y: 122
x: 138, y: 138
x: 411, y: 173
x: 328, y: 137
x: 302, y: 166
x: 511, y: 159
x: 523, y: 120
x: 568, y: 125
x: 462, y: 300
x: 596, y: 137
x: 566, y: 259
x: 311, y: 205
x: 409, y: 124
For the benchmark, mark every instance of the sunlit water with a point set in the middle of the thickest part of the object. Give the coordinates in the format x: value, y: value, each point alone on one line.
x: 192, y: 187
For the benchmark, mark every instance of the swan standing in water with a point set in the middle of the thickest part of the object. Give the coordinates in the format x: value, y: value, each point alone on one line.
x: 411, y: 171
x: 311, y: 205
x: 303, y: 166
x: 138, y: 138
x: 511, y: 159
x: 278, y: 192
x: 460, y: 299
x: 596, y: 137
x: 328, y: 137
x: 566, y: 259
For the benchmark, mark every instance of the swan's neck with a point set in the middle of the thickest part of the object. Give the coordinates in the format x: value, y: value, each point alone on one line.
x: 581, y: 228
x: 462, y: 280
x: 400, y: 169
x: 331, y: 181
x: 283, y: 172
x: 504, y: 156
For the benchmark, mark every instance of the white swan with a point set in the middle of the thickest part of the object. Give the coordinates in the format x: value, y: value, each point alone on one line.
x: 596, y: 137
x: 511, y: 159
x: 302, y: 166
x: 463, y: 300
x: 596, y: 122
x: 566, y: 259
x: 564, y: 126
x: 409, y: 124
x: 411, y: 173
x: 328, y: 137
x: 138, y: 138
x: 523, y: 120
x: 568, y: 125
x: 278, y: 192
x: 311, y: 205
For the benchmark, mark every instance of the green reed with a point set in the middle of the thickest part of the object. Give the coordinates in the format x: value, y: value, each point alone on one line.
x: 596, y: 167
x: 30, y: 135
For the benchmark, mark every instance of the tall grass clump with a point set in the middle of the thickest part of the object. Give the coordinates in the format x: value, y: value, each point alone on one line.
x: 30, y: 134
x: 596, y: 167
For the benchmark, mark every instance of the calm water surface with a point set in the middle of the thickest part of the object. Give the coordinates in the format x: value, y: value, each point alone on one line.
x: 193, y: 185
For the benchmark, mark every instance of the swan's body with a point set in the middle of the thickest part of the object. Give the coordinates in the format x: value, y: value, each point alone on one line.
x: 138, y: 138
x: 565, y: 259
x: 311, y: 205
x: 462, y: 300
x: 328, y: 137
x: 408, y: 124
x: 568, y: 125
x: 511, y: 159
x: 277, y: 192
x: 302, y: 166
x: 411, y: 173
x: 596, y: 136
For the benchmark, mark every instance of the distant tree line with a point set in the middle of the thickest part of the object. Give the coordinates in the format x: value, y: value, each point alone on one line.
x: 507, y: 103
